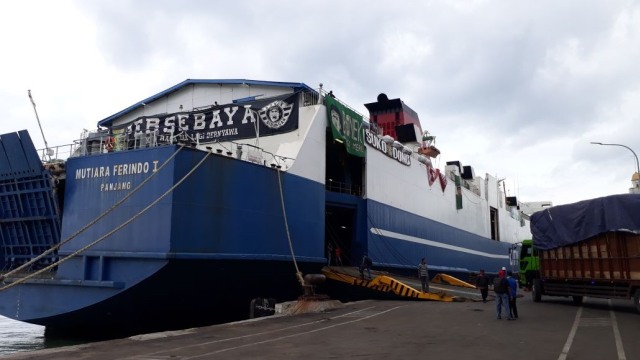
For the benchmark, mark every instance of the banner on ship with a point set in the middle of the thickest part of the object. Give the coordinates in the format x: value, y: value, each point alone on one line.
x: 249, y: 119
x: 433, y: 174
x: 347, y: 126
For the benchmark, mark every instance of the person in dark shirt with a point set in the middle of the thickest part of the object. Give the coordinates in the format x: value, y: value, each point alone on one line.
x: 338, y: 255
x: 482, y: 283
x: 501, y: 288
x: 366, y: 264
x: 423, y: 274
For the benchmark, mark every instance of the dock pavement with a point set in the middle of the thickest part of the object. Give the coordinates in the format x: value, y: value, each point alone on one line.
x: 552, y: 329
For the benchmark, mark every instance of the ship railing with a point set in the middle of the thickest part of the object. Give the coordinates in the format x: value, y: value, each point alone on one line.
x: 309, y: 98
x: 85, y: 146
x: 103, y: 144
x: 343, y: 187
x: 325, y: 94
x: 57, y: 153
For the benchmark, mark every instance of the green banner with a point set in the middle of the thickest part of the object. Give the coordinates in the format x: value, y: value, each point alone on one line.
x: 347, y: 126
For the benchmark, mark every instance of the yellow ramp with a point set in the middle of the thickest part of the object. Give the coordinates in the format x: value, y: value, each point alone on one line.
x: 450, y: 280
x: 385, y: 284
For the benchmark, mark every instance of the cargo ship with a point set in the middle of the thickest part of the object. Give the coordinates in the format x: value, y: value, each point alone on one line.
x: 180, y: 209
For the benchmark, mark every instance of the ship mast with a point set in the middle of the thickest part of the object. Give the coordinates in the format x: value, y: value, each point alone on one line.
x: 46, y: 146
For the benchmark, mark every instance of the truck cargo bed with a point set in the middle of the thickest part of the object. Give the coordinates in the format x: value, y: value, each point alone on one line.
x: 610, y: 256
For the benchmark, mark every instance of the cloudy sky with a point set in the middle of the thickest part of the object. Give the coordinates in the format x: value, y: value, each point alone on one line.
x: 516, y: 89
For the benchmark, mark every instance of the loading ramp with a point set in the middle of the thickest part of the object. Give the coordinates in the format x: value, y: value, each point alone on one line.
x: 386, y: 285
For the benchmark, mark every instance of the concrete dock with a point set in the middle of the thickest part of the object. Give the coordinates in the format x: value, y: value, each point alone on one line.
x: 553, y: 329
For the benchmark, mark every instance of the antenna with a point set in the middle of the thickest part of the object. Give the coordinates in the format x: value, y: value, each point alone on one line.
x: 48, y: 151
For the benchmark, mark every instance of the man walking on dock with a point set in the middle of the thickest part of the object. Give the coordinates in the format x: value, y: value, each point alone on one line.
x: 423, y: 274
x: 501, y: 288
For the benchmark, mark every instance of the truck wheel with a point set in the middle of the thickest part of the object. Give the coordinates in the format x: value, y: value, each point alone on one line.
x: 536, y: 290
x: 636, y: 299
x: 577, y: 299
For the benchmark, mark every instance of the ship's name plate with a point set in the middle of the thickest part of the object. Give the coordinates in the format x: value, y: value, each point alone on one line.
x: 377, y: 143
x: 112, y: 176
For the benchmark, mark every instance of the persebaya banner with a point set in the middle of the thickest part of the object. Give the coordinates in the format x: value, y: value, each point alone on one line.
x: 346, y: 126
x: 222, y: 123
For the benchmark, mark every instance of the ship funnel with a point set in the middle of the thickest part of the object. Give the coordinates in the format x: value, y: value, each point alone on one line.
x: 395, y: 118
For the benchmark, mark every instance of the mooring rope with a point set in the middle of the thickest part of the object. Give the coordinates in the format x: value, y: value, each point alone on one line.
x: 286, y: 226
x: 91, y: 223
x: 77, y: 252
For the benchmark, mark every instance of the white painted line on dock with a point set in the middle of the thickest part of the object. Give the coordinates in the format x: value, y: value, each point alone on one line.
x: 174, y: 333
x: 572, y: 334
x: 160, y: 335
x: 292, y: 335
x: 595, y: 322
x: 616, y: 334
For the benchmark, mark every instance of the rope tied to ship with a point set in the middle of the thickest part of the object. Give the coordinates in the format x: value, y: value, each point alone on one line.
x: 55, y: 247
x: 286, y: 226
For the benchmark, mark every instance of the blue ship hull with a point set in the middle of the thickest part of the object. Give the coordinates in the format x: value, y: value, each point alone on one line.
x: 397, y: 240
x: 181, y: 294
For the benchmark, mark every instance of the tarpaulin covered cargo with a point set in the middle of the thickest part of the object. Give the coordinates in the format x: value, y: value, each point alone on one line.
x: 568, y: 224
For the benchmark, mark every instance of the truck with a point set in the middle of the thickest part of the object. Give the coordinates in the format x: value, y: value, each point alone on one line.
x: 589, y: 248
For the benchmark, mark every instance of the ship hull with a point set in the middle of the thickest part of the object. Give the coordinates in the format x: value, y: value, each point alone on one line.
x: 182, y: 294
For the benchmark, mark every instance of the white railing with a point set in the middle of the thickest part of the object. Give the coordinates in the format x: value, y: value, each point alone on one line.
x: 57, y: 153
x: 103, y: 144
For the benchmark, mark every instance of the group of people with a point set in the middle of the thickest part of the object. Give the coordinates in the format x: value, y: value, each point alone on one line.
x: 334, y: 255
x: 423, y: 272
x: 505, y: 285
x: 366, y: 263
x: 506, y: 288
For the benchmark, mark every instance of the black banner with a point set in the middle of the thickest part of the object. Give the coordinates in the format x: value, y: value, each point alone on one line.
x: 266, y: 117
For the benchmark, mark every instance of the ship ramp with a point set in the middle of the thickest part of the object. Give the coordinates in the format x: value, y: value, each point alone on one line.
x: 29, y: 212
x: 392, y: 286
